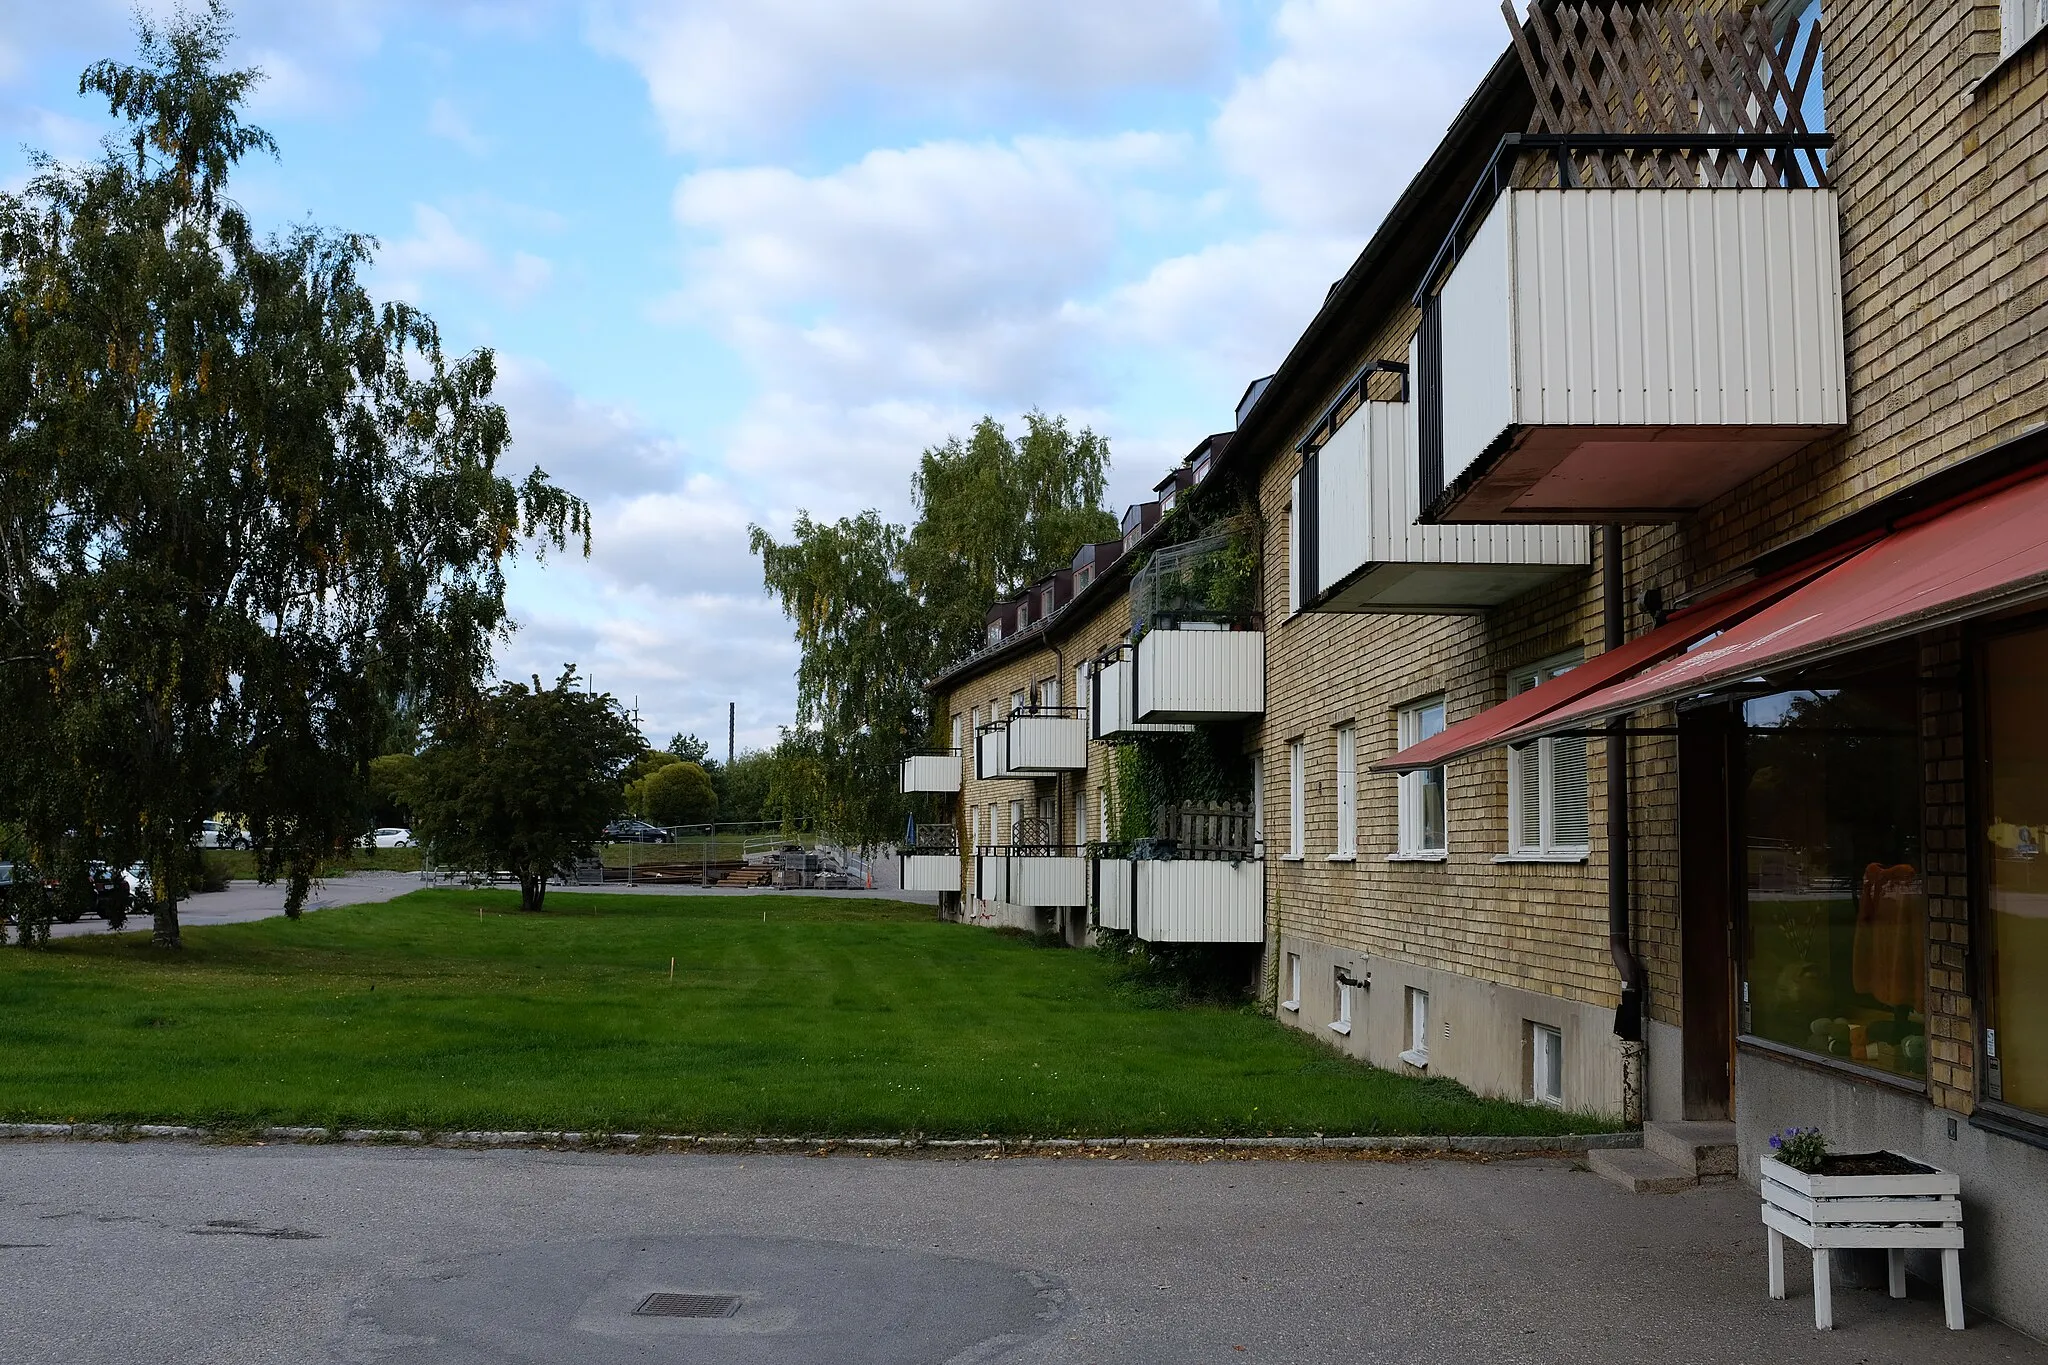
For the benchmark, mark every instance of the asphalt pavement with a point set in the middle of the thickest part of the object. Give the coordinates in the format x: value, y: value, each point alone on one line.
x: 170, y: 1252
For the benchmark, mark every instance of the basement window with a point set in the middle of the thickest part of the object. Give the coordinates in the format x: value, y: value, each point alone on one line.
x: 1417, y: 1054
x: 1546, y: 1065
x: 1342, y: 1023
x: 1293, y: 1001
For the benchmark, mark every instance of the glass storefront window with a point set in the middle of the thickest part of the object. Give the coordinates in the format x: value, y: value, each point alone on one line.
x: 2015, y: 811
x: 1835, y: 930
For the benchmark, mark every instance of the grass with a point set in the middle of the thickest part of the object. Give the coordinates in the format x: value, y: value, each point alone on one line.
x: 790, y: 1016
x: 239, y: 864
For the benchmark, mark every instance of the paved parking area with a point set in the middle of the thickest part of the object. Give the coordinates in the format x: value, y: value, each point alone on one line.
x: 171, y: 1252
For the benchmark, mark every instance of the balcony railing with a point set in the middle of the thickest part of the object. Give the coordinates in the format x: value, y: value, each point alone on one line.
x: 1201, y: 880
x: 1033, y: 875
x: 1113, y: 701
x: 936, y: 770
x: 1037, y: 741
x: 1355, y: 546
x: 1628, y: 351
x: 1198, y: 675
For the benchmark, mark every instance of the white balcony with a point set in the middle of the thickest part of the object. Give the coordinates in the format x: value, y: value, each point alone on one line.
x: 931, y: 872
x: 1354, y: 545
x: 1627, y: 354
x: 934, y: 772
x: 1047, y: 741
x: 1182, y: 900
x: 1111, y: 883
x: 1200, y: 675
x: 1031, y: 880
x: 1040, y: 743
x: 1113, y: 712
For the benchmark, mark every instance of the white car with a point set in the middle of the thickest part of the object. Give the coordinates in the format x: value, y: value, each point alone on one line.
x: 214, y: 834
x: 388, y: 838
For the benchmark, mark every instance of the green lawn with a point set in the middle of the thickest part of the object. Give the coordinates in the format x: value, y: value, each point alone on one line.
x: 798, y: 1015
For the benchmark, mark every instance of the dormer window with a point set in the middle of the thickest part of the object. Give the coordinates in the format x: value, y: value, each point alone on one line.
x: 1023, y: 613
x: 1084, y: 576
x: 1045, y: 604
x: 995, y: 632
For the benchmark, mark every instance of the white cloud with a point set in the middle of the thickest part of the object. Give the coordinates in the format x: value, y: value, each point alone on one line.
x: 726, y: 75
x: 940, y: 269
x: 437, y: 248
x: 1333, y: 128
x: 1231, y: 309
x: 446, y: 121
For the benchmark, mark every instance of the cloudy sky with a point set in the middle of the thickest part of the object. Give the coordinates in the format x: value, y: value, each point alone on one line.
x: 740, y: 259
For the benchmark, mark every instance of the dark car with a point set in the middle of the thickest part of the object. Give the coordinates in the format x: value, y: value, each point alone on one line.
x: 634, y: 832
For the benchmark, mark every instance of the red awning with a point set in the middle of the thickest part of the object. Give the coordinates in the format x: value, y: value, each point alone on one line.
x: 1970, y: 560
x: 1535, y: 706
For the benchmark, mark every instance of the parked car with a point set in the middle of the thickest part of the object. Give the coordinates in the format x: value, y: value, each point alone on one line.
x: 218, y: 834
x: 390, y: 837
x: 634, y: 832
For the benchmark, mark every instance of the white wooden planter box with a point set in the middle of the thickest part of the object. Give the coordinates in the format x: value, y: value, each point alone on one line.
x: 1897, y: 1213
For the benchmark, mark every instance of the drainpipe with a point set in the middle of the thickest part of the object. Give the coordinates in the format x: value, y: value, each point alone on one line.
x: 1628, y: 1015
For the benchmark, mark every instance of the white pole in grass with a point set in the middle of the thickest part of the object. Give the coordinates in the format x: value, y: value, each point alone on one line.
x: 671, y: 971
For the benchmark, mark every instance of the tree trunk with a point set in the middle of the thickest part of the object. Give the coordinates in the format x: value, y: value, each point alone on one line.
x: 533, y: 889
x: 166, y: 912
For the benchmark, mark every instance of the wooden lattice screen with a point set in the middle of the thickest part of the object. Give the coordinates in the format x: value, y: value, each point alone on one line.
x: 1648, y: 71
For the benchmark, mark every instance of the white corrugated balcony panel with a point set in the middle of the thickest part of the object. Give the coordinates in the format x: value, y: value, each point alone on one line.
x: 1196, y: 900
x: 1113, y: 893
x: 1050, y: 743
x: 931, y: 773
x: 931, y: 872
x: 1113, y: 710
x: 1048, y: 880
x: 1355, y: 504
x: 1201, y: 675
x: 1632, y: 354
x: 992, y: 754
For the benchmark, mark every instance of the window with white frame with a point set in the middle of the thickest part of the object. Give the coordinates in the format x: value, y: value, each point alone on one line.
x: 1293, y: 566
x: 2019, y: 21
x: 1342, y: 1023
x: 1049, y: 693
x: 1081, y: 822
x: 1547, y: 813
x: 1423, y: 826
x: 1016, y: 822
x: 974, y: 826
x: 1347, y: 792
x: 1020, y: 700
x: 1417, y: 1053
x: 956, y: 732
x: 1546, y: 1065
x: 1102, y: 813
x: 1081, y: 689
x: 1297, y: 784
x: 1293, y: 1000
x: 1083, y: 576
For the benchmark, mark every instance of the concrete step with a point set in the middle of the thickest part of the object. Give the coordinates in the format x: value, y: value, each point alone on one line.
x: 1705, y: 1149
x: 1640, y: 1171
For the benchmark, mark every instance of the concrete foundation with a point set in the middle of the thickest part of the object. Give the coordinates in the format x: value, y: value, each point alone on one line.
x: 2005, y: 1181
x: 1479, y: 1030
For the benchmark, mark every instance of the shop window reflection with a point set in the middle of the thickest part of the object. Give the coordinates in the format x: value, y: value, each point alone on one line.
x: 1836, y: 924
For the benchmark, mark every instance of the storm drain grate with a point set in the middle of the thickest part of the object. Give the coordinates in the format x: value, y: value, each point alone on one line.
x: 688, y: 1306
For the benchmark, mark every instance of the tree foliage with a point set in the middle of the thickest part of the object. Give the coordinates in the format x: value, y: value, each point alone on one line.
x: 524, y: 780
x: 246, y: 511
x: 878, y: 609
x: 676, y: 793
x: 691, y: 749
x: 996, y: 515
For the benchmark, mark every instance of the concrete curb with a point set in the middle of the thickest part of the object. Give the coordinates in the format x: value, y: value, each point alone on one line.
x: 1567, y: 1144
